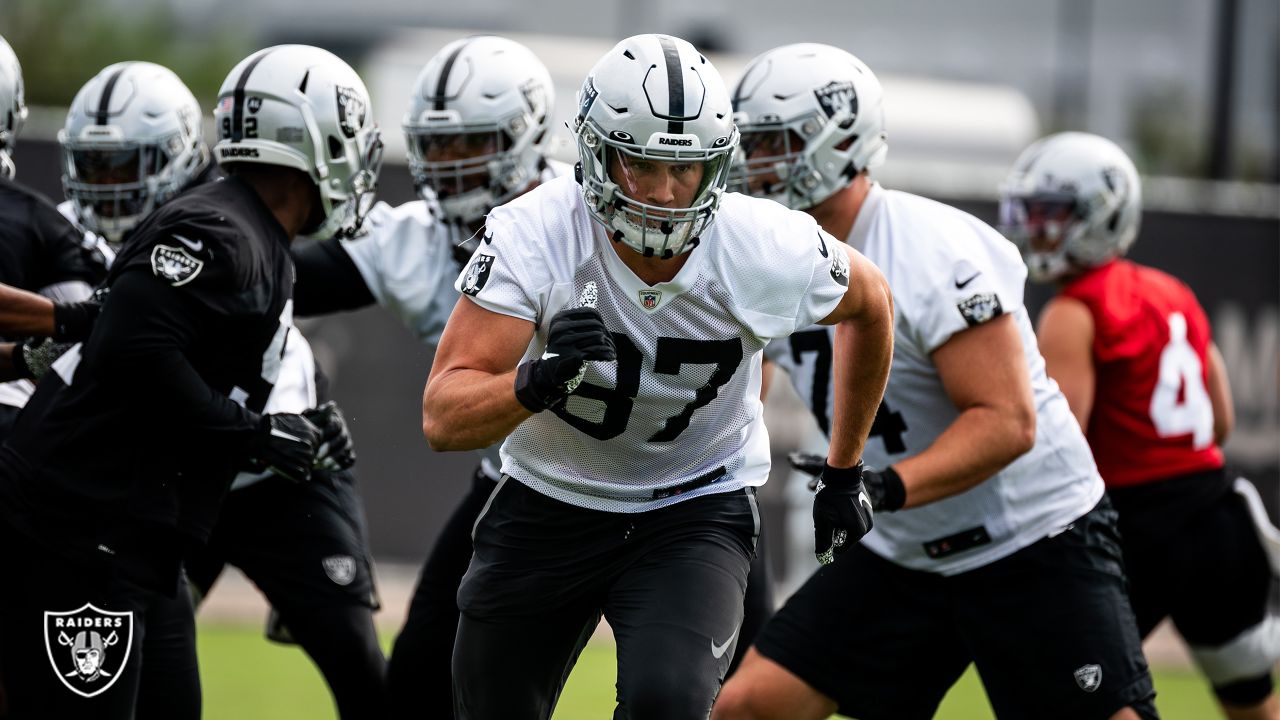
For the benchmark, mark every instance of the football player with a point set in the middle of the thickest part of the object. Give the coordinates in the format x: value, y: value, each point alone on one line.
x: 119, y: 464
x: 612, y: 331
x: 40, y: 252
x: 1132, y: 350
x: 994, y: 543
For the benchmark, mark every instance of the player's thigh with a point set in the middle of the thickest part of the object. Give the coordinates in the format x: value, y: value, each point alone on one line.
x: 1051, y: 629
x: 676, y: 610
x: 1232, y: 635
x: 878, y: 639
x: 170, y: 685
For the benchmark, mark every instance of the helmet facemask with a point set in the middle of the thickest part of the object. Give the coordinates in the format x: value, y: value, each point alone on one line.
x: 472, y: 168
x: 614, y: 162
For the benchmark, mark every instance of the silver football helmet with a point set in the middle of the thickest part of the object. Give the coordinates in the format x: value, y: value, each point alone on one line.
x: 13, y: 108
x: 132, y: 140
x: 654, y: 104
x: 477, y: 125
x: 1072, y: 201
x: 811, y: 118
x: 301, y: 107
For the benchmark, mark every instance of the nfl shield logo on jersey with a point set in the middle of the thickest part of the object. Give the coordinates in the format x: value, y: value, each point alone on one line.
x: 88, y: 647
x: 1089, y: 677
x: 477, y: 274
x: 649, y: 299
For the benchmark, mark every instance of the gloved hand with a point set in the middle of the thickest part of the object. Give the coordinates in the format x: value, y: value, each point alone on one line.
x: 884, y: 487
x: 337, y: 450
x: 73, y: 321
x: 841, y: 511
x: 286, y: 445
x: 576, y: 335
x: 33, y: 357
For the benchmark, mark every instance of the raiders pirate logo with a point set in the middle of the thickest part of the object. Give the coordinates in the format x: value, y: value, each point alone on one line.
x: 535, y: 96
x: 175, y: 264
x: 649, y: 299
x: 340, y: 568
x: 838, y: 98
x: 587, y: 97
x: 351, y: 111
x: 1089, y: 677
x: 981, y: 308
x: 88, y: 647
x: 477, y: 274
x: 839, y: 266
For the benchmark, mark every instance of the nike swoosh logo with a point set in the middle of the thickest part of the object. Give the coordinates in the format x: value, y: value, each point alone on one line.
x: 822, y: 245
x: 866, y: 501
x: 488, y: 238
x: 960, y: 284
x: 717, y: 651
x: 195, y: 245
x: 549, y: 355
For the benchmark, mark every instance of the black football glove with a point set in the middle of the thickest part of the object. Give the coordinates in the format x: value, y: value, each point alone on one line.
x: 73, y: 321
x: 285, y: 445
x: 337, y: 450
x: 810, y: 464
x: 576, y: 335
x: 841, y: 511
x: 33, y: 357
x: 884, y: 487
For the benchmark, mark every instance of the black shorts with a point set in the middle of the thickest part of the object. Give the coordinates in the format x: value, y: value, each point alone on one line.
x: 304, y: 545
x: 1185, y: 540
x: 669, y: 581
x: 1049, y: 628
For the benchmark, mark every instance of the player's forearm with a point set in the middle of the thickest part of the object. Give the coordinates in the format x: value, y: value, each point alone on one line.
x: 25, y: 313
x: 863, y: 354
x: 470, y: 409
x: 8, y: 371
x: 979, y: 443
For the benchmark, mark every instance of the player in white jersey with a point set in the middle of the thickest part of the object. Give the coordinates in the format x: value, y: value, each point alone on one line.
x: 993, y: 543
x: 614, y: 332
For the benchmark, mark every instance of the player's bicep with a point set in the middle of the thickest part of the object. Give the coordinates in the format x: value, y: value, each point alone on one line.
x: 984, y: 366
x: 481, y: 340
x: 1065, y: 336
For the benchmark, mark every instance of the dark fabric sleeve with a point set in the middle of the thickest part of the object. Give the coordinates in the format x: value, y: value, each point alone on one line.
x: 327, y: 280
x: 141, y: 341
x: 64, y: 254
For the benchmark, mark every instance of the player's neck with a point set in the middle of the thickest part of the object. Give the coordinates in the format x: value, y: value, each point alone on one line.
x: 838, y: 213
x: 651, y: 270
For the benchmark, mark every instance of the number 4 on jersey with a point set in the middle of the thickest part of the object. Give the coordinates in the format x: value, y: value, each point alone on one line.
x: 1180, y: 404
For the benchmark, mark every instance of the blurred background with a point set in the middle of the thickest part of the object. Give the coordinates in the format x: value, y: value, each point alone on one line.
x: 1190, y: 88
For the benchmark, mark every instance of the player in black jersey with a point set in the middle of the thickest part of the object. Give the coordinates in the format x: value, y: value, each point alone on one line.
x: 40, y: 251
x: 119, y: 464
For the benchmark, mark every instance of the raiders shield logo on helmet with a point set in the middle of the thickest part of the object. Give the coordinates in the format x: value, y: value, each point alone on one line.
x: 88, y: 647
x: 838, y: 98
x: 351, y: 111
x: 477, y: 274
x: 175, y: 264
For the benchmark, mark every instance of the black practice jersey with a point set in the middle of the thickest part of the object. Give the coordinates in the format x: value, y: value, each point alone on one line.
x: 136, y: 434
x: 38, y: 246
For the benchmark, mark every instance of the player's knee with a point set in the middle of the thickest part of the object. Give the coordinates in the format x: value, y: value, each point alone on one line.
x: 658, y: 693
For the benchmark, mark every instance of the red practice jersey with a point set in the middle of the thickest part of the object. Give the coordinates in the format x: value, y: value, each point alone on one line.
x: 1152, y: 417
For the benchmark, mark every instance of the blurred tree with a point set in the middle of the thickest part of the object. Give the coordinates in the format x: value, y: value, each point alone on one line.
x: 63, y: 43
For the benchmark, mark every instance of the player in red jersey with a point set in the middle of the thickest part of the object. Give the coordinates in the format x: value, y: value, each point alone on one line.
x: 1132, y: 350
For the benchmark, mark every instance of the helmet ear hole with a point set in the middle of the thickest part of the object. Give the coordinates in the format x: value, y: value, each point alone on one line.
x: 1114, y: 222
x: 335, y: 148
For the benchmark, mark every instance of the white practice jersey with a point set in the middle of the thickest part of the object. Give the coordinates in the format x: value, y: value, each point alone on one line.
x: 406, y: 259
x: 948, y: 271
x: 678, y: 414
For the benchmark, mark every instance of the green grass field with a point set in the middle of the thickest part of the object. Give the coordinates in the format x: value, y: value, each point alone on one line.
x: 246, y: 678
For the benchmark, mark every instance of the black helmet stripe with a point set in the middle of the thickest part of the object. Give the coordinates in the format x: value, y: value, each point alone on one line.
x: 104, y: 102
x: 675, y: 85
x: 237, y: 101
x: 443, y: 83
